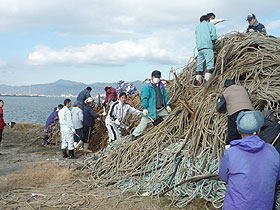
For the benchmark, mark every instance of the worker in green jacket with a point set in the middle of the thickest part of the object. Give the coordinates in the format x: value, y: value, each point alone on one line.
x: 154, y: 101
x: 205, y: 35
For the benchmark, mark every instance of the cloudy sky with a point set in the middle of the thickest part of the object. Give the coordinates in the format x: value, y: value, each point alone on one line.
x: 108, y: 40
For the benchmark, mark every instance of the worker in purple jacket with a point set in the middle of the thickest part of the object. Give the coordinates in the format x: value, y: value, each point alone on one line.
x: 250, y: 167
x: 50, y: 121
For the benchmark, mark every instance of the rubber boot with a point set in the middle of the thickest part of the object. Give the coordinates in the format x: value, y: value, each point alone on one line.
x: 71, y: 154
x: 64, y: 153
x: 86, y: 148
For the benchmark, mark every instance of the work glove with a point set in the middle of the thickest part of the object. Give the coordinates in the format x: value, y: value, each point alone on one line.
x: 146, y: 112
x: 73, y: 131
x: 104, y: 114
x: 168, y: 109
x: 117, y: 122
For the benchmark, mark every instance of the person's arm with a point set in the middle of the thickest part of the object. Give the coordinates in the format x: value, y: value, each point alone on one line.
x: 68, y: 119
x: 165, y: 97
x: 114, y: 94
x: 223, y: 172
x: 87, y: 94
x: 221, y: 105
x: 81, y: 116
x: 132, y: 110
x: 94, y: 114
x: 213, y: 33
x: 145, y: 96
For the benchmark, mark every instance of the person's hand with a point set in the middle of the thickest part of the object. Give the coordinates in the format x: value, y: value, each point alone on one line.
x: 117, y: 122
x: 73, y: 131
x: 146, y: 112
x: 104, y: 113
x: 168, y: 108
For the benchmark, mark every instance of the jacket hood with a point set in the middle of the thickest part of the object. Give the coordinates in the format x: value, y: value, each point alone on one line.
x: 250, y: 144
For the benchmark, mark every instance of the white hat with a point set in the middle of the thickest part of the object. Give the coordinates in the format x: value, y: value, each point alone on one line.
x: 90, y: 99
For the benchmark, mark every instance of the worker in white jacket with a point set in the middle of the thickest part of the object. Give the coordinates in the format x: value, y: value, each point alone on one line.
x: 66, y: 129
x: 116, y: 116
x: 77, y: 118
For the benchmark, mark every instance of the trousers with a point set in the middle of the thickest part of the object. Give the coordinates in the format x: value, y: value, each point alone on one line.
x: 145, y: 121
x: 205, y: 55
x: 87, y: 133
x: 113, y: 131
x: 67, y: 138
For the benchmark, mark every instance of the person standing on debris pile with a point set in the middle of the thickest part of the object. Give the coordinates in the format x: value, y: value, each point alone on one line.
x: 250, y: 167
x: 154, y: 101
x: 83, y: 96
x: 2, y: 122
x: 67, y: 130
x: 254, y: 25
x: 111, y: 94
x: 53, y: 116
x: 88, y: 123
x: 116, y: 116
x: 234, y: 99
x: 205, y: 35
x: 213, y: 19
x: 77, y: 117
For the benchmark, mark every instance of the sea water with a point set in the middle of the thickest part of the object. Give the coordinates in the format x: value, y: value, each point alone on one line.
x: 29, y: 109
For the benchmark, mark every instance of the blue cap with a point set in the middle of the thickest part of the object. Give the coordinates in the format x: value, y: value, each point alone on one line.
x: 249, y: 121
x: 76, y: 103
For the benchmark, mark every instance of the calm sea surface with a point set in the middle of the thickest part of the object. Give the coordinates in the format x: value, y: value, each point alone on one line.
x: 29, y: 109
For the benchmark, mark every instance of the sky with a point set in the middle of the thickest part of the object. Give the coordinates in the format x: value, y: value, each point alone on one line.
x: 109, y: 40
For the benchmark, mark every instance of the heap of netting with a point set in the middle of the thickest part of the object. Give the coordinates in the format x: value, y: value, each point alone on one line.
x: 180, y: 157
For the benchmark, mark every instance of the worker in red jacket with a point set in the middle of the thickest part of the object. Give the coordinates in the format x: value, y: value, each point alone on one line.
x: 111, y: 94
x: 2, y: 122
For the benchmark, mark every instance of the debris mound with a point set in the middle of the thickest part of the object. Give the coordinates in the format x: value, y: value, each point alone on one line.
x: 180, y: 157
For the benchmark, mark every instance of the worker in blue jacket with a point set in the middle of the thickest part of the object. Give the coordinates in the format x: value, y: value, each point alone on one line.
x: 205, y: 34
x: 254, y: 25
x: 154, y: 101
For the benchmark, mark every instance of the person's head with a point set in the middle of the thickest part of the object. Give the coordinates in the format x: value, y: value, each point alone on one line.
x: 107, y: 90
x: 77, y: 104
x: 251, y: 18
x: 60, y: 106
x: 122, y: 97
x: 1, y: 103
x: 249, y: 123
x: 156, y: 75
x: 229, y: 82
x: 211, y: 15
x: 67, y: 102
x: 204, y: 18
x: 90, y: 101
x: 89, y: 89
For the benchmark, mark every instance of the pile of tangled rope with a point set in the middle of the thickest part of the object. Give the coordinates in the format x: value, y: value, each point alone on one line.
x: 180, y: 157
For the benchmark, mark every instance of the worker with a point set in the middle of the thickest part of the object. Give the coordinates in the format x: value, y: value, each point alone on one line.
x: 116, y: 116
x: 83, y: 96
x: 205, y: 34
x: 51, y: 119
x: 250, y: 167
x: 66, y: 129
x: 254, y: 25
x: 77, y: 118
x: 88, y: 123
x: 2, y: 122
x: 213, y: 19
x: 111, y: 94
x: 154, y: 101
x: 234, y: 99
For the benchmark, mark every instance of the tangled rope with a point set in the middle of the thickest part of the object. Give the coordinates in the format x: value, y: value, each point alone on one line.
x: 190, y: 142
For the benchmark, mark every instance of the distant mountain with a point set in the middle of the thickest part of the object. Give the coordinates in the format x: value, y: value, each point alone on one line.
x: 61, y: 87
